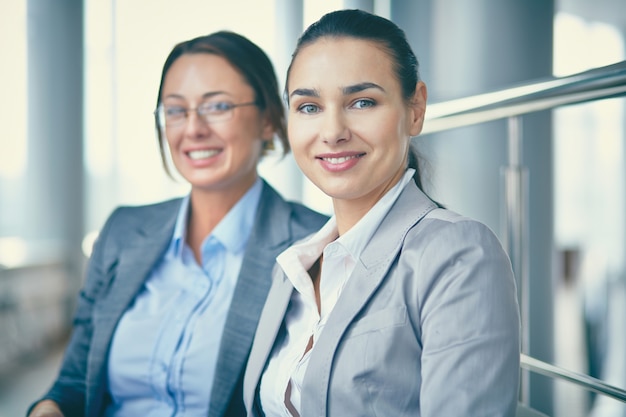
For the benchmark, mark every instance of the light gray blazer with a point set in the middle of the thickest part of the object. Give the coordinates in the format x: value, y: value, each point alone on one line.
x: 427, y: 325
x: 132, y: 241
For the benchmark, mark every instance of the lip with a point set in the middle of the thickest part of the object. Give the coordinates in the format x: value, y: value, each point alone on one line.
x: 200, y: 157
x: 338, y: 162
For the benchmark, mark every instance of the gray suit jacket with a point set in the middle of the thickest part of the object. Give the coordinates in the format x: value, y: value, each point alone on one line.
x: 129, y: 245
x: 427, y: 325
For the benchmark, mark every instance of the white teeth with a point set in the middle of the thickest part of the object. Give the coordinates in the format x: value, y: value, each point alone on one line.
x: 339, y: 160
x: 202, y: 154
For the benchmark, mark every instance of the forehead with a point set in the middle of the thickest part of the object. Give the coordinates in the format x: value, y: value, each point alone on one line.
x: 203, y: 71
x: 340, y: 61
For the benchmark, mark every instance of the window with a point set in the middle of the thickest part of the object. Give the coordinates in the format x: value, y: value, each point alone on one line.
x: 13, y: 108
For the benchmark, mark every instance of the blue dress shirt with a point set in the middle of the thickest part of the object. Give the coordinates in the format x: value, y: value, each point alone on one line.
x: 164, y: 351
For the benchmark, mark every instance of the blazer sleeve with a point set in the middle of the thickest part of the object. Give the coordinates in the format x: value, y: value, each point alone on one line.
x: 69, y: 388
x: 469, y: 322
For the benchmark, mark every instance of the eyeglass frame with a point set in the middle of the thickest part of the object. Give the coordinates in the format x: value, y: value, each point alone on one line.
x: 159, y: 113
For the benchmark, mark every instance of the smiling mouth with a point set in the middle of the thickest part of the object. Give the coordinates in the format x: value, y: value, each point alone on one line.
x: 203, y: 154
x: 341, y: 159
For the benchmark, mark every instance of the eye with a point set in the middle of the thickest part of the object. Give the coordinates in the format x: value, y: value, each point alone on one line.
x: 215, y: 107
x: 175, y: 111
x: 308, y: 108
x: 363, y: 103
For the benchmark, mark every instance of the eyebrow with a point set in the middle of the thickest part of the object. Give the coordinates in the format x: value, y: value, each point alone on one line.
x: 214, y: 93
x: 357, y: 88
x: 351, y: 89
x: 306, y: 92
x: 204, y: 96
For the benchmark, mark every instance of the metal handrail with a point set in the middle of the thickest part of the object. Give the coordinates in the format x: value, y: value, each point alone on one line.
x: 591, y: 383
x: 599, y: 83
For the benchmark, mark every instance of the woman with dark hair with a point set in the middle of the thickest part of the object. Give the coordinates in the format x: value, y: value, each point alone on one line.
x: 397, y: 306
x: 173, y: 291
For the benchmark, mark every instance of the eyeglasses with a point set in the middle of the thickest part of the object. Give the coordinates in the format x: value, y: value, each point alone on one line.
x: 210, y: 112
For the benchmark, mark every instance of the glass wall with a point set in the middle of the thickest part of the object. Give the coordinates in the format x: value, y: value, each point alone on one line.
x: 589, y: 164
x: 13, y: 141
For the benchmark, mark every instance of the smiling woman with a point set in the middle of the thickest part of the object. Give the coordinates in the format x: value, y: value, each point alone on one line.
x: 120, y: 90
x: 173, y: 290
x: 351, y: 119
x: 217, y: 145
x: 396, y: 305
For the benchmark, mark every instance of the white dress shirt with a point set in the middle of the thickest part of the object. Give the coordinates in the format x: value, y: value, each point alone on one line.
x: 282, y: 380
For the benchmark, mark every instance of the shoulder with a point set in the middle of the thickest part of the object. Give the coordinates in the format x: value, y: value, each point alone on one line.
x: 143, y: 213
x: 125, y: 220
x: 415, y: 223
x: 443, y: 225
x: 444, y: 240
x: 456, y: 259
x: 133, y: 215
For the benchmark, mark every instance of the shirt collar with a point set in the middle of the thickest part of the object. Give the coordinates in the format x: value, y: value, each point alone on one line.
x: 232, y: 231
x: 355, y: 239
x: 235, y: 228
x: 299, y: 258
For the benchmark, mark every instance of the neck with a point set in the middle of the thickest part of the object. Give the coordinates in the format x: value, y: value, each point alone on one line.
x: 348, y: 212
x: 206, y: 209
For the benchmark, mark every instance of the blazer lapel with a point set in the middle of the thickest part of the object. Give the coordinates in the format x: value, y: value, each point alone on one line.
x: 266, y: 336
x: 270, y: 236
x: 143, y: 249
x: 412, y: 205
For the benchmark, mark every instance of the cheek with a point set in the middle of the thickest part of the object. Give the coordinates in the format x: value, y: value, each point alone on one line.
x: 388, y: 137
x: 297, y: 131
x: 243, y: 145
x: 170, y: 138
x: 390, y: 128
x: 253, y: 151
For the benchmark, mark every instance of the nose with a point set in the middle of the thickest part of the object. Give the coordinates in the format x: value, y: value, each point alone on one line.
x: 196, y: 126
x: 334, y: 129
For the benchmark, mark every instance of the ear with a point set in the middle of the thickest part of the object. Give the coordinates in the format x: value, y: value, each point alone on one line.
x: 418, y: 109
x: 267, y: 129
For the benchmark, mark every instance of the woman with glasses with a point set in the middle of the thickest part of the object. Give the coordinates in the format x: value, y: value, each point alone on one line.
x: 173, y: 291
x: 397, y: 306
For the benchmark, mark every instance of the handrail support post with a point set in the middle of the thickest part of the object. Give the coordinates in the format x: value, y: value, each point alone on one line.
x: 516, y: 232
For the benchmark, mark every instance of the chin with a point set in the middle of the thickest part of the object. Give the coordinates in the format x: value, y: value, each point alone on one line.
x: 340, y: 194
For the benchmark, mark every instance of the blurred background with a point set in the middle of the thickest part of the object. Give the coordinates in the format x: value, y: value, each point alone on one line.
x: 79, y: 80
